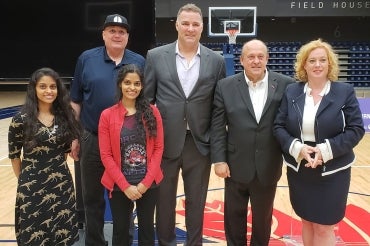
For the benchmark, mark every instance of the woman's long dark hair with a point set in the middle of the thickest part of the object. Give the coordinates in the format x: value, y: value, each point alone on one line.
x: 61, y: 108
x: 143, y: 110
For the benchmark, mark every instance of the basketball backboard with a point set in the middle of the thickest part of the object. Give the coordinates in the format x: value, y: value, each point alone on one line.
x: 241, y: 19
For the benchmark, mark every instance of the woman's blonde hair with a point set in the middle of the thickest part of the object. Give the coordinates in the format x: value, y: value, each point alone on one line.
x: 304, y: 52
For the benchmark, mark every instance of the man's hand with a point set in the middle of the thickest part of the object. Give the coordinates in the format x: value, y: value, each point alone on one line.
x: 222, y: 169
x: 75, y: 150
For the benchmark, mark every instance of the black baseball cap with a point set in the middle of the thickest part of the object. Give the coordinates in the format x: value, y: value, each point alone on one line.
x: 116, y: 20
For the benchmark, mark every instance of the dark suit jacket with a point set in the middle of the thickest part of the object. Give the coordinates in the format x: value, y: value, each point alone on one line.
x: 248, y: 147
x: 338, y: 120
x: 162, y: 86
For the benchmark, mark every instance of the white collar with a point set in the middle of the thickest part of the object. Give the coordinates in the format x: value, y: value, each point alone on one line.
x: 323, y: 92
x: 179, y: 53
x: 261, y: 82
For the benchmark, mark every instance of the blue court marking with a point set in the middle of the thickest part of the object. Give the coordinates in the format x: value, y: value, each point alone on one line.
x: 9, y: 111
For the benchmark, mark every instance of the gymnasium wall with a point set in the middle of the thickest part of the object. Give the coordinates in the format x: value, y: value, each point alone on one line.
x: 288, y: 29
x: 55, y: 32
x: 277, y: 8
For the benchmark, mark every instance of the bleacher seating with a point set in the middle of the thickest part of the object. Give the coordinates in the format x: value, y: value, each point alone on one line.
x: 359, y: 64
x: 354, y: 59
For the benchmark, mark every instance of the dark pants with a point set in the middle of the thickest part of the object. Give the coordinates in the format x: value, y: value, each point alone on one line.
x: 79, y: 200
x: 195, y: 169
x: 261, y: 198
x: 92, y: 190
x: 122, y: 209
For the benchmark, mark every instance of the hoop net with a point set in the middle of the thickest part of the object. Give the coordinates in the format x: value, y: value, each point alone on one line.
x: 232, y: 33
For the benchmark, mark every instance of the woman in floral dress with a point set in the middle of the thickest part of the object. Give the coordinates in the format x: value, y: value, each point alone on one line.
x: 40, y: 137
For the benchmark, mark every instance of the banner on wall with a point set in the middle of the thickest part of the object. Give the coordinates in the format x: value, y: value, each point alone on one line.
x: 365, y: 110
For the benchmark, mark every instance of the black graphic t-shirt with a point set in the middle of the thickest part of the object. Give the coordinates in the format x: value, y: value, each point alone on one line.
x: 133, y: 151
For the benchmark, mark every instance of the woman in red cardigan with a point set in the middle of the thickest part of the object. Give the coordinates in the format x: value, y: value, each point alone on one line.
x: 131, y: 147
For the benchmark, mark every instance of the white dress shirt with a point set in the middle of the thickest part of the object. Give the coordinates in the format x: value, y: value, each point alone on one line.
x: 188, y: 72
x: 258, y: 94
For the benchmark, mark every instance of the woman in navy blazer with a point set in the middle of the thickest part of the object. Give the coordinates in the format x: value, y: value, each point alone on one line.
x: 318, y: 125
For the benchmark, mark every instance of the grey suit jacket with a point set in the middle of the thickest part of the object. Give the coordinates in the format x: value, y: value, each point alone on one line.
x: 162, y: 87
x: 248, y: 147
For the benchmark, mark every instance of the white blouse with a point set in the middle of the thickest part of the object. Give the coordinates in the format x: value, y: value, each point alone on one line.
x: 308, y: 126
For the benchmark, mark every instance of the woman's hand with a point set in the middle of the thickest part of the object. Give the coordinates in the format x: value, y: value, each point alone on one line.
x: 312, y: 155
x: 317, y: 158
x: 132, y: 193
x: 141, y: 188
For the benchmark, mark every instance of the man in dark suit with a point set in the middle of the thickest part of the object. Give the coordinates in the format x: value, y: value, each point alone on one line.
x: 243, y: 148
x: 180, y: 79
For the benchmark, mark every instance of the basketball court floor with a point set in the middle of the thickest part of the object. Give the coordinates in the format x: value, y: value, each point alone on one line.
x: 353, y: 230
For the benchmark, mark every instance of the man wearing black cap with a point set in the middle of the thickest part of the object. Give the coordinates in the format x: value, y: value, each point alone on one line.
x: 94, y: 89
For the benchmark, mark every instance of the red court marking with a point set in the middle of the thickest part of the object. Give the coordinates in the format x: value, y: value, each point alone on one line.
x: 283, y: 224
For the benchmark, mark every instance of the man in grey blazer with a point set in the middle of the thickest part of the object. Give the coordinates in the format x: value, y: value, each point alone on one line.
x: 180, y: 79
x: 243, y: 148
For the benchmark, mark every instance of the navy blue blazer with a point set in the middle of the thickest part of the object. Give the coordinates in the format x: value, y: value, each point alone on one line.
x: 338, y: 121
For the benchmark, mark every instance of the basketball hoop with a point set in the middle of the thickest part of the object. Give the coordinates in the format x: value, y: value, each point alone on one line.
x: 232, y: 33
